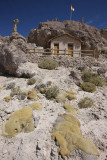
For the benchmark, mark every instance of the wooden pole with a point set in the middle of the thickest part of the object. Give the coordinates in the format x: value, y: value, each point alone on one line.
x: 71, y: 15
x: 65, y: 51
x: 82, y: 20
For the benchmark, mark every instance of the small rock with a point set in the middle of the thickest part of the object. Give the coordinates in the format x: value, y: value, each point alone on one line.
x: 101, y: 71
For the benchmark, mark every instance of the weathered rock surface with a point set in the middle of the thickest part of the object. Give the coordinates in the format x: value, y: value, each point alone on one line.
x: 104, y: 33
x: 76, y: 77
x: 12, y: 53
x: 91, y: 36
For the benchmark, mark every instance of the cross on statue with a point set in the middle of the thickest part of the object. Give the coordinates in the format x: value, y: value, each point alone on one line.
x: 16, y: 21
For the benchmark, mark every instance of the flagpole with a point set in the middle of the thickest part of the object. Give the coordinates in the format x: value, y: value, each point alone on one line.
x: 71, y: 15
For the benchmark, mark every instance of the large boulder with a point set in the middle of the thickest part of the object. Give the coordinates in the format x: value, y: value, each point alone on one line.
x: 12, y: 53
x: 91, y: 36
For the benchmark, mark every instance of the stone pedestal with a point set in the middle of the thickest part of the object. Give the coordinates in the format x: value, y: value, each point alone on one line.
x: 14, y: 30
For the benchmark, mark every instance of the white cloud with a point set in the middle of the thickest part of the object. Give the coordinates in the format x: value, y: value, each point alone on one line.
x: 89, y: 22
x: 96, y: 18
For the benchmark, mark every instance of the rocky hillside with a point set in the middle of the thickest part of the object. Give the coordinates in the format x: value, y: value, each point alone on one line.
x: 93, y: 38
x: 27, y: 115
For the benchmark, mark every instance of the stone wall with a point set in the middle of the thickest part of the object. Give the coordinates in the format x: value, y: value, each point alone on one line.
x: 65, y: 60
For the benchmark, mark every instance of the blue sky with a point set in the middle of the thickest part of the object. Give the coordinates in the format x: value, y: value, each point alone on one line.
x: 31, y: 12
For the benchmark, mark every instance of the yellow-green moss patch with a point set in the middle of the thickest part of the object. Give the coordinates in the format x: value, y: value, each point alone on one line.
x: 36, y: 106
x: 69, y: 108
x: 61, y: 97
x: 1, y: 87
x: 71, y: 92
x: 31, y: 81
x: 32, y: 95
x: 70, y: 95
x: 62, y: 143
x: 69, y: 137
x: 7, y: 99
x: 42, y: 90
x: 71, y: 118
x: 87, y: 146
x: 19, y: 121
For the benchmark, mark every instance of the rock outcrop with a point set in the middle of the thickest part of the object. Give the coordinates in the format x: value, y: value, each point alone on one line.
x: 12, y: 53
x: 104, y: 33
x: 91, y: 36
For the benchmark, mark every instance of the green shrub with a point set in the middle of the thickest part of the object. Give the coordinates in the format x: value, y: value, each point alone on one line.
x: 88, y: 87
x: 86, y: 102
x: 15, y: 91
x: 48, y: 63
x: 31, y: 81
x: 52, y: 92
x: 22, y: 96
x: 97, y: 81
x: 88, y: 76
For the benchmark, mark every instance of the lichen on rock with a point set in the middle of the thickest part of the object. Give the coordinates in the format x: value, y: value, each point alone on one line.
x: 19, y: 121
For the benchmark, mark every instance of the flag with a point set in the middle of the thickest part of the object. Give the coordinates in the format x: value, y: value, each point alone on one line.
x: 72, y: 9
